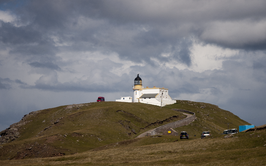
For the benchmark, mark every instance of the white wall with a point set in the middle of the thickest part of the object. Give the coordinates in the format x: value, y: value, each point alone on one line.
x: 125, y: 99
x: 161, y: 99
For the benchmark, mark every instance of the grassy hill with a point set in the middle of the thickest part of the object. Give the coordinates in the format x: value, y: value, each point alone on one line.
x: 209, y: 118
x: 76, y: 128
x: 104, y: 128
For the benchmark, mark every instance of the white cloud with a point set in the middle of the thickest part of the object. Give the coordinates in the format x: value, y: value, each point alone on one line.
x: 6, y: 16
x: 209, y: 57
x: 204, y: 57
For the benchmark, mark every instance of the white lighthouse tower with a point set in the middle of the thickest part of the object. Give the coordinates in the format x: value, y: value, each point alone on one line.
x: 137, y: 89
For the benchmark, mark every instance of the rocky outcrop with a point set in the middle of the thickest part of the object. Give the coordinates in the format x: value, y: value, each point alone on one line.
x: 12, y: 133
x: 76, y: 106
x: 8, y: 135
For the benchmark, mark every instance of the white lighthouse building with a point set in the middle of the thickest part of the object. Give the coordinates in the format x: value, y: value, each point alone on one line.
x: 155, y: 96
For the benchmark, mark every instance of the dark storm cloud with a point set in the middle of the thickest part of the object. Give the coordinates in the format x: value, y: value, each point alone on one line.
x: 48, y: 65
x: 184, y: 11
x: 260, y: 64
x: 81, y: 86
x: 136, y: 31
x: 64, y: 87
x: 52, y: 18
x: 207, y: 20
x: 26, y: 42
x: 25, y: 39
x: 6, y: 83
x: 43, y: 51
x: 240, y: 44
x: 11, y: 4
x: 182, y: 53
x: 146, y: 28
x: 10, y: 34
x: 20, y: 82
x: 47, y: 15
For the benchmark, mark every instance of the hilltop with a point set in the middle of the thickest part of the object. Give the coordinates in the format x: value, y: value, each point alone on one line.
x: 73, y: 129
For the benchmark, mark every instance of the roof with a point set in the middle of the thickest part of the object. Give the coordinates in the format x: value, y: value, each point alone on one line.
x: 152, y: 95
x: 137, y: 78
x: 156, y: 88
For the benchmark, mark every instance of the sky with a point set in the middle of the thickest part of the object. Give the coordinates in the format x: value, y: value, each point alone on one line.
x: 64, y: 52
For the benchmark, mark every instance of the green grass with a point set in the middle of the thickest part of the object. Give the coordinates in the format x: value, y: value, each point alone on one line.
x: 241, y: 149
x: 104, y: 134
x: 209, y: 118
x: 86, y: 127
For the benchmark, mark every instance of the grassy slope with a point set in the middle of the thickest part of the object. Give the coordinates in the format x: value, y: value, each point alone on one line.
x: 82, y: 128
x: 242, y: 149
x: 102, y: 121
x: 209, y: 118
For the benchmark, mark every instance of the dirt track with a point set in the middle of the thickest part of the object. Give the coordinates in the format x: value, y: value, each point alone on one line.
x: 189, y: 119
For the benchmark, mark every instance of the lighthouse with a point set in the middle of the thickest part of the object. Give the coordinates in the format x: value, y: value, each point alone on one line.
x: 137, y: 88
x: 154, y: 96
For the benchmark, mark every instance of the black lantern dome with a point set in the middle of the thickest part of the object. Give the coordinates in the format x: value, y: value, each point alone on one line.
x: 138, y: 80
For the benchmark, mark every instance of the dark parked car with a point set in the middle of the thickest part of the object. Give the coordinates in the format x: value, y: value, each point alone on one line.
x: 183, y: 134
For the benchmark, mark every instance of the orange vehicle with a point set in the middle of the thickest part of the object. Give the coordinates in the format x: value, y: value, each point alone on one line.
x: 100, y: 99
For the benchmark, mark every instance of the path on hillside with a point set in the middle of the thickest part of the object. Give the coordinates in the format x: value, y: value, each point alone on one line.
x: 183, y: 122
x: 188, y: 115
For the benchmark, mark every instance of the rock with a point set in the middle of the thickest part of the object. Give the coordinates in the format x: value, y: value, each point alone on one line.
x: 228, y: 136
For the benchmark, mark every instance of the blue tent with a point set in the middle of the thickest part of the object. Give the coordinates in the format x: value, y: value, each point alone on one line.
x: 245, y: 127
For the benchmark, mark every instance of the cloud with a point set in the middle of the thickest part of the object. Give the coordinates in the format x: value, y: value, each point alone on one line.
x: 136, y: 30
x: 6, y: 16
x: 5, y: 83
x: 48, y: 65
x: 10, y: 34
x: 246, y: 34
